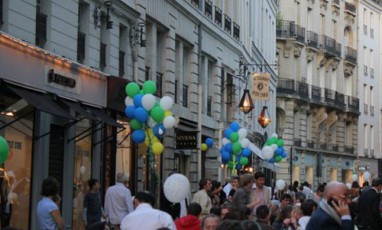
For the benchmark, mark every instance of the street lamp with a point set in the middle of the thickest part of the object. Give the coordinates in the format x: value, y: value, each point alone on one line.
x: 246, y: 103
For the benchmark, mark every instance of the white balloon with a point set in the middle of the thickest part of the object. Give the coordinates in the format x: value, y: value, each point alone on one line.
x: 225, y: 141
x: 166, y: 102
x: 274, y: 147
x: 82, y: 169
x: 242, y: 133
x: 150, y: 122
x: 274, y: 135
x: 354, y: 177
x: 267, y: 152
x: 280, y: 184
x: 244, y: 142
x: 255, y: 150
x: 128, y: 101
x: 148, y: 101
x: 176, y: 187
x: 366, y: 175
x: 348, y: 185
x: 169, y: 122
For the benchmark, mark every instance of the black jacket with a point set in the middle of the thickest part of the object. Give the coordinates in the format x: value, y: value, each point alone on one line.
x: 368, y: 209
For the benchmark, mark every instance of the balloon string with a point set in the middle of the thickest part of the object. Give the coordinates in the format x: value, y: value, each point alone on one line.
x: 234, y: 165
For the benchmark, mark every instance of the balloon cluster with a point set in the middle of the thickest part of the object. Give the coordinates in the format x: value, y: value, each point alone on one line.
x: 208, y: 143
x: 149, y: 118
x: 4, y: 150
x: 273, y: 149
x: 235, y: 151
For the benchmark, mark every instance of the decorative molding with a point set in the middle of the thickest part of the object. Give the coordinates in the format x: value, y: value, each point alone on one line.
x: 348, y: 70
x: 297, y: 50
x: 334, y: 65
x: 324, y: 4
x: 310, y: 53
x: 287, y: 49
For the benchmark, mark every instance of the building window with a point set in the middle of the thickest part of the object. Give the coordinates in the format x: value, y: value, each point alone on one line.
x: 147, y: 73
x: 159, y: 84
x: 102, y: 58
x: 176, y: 92
x: 121, y: 63
x: 81, y: 47
x: 208, y: 8
x: 41, y: 20
x: 185, y: 96
x: 209, y: 106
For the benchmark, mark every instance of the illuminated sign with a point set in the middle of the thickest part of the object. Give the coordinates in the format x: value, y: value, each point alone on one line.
x: 60, y: 79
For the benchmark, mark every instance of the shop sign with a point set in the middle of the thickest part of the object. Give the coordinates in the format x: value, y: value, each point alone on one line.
x: 60, y: 79
x: 186, y: 139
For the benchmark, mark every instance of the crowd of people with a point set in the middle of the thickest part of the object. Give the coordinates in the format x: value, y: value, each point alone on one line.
x: 243, y: 203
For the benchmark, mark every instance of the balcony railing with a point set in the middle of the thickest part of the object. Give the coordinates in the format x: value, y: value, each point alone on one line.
x: 297, y: 142
x: 323, y: 145
x: 310, y: 144
x: 218, y: 16
x: 289, y: 29
x: 350, y: 7
x: 351, y: 55
x: 371, y: 110
x: 328, y: 45
x: 349, y: 149
x: 208, y: 8
x: 227, y: 24
x: 338, y: 50
x: 364, y: 70
x: 236, y: 31
x: 312, y: 39
x: 315, y: 94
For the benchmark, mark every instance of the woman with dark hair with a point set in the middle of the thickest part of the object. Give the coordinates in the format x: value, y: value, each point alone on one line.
x: 48, y: 214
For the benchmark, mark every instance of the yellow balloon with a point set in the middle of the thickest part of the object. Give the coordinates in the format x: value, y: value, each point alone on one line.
x: 157, y: 148
x: 204, y: 147
x: 167, y: 113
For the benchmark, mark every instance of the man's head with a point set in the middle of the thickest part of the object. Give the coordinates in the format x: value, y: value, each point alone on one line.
x: 262, y: 212
x: 337, y: 191
x: 93, y: 183
x: 205, y: 184
x: 144, y: 197
x: 308, y: 207
x: 235, y: 181
x: 194, y: 209
x: 246, y: 180
x: 122, y: 178
x: 259, y: 179
x: 377, y: 184
x: 285, y: 200
x: 210, y: 222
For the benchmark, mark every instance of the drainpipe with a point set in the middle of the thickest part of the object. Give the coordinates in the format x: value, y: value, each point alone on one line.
x: 200, y: 100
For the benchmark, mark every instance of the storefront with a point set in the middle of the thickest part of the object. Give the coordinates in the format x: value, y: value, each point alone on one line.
x: 53, y: 118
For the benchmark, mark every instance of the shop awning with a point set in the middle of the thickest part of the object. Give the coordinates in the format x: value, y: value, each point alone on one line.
x: 102, y: 116
x: 40, y: 101
x: 76, y: 106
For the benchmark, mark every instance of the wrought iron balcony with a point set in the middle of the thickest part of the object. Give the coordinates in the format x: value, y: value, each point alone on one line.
x: 350, y: 55
x: 323, y: 146
x: 340, y: 100
x: 236, y: 31
x: 330, y: 96
x: 218, y: 16
x: 349, y: 149
x: 208, y: 8
x: 338, y: 50
x: 352, y: 104
x: 297, y: 142
x: 289, y: 29
x: 328, y: 45
x: 312, y: 39
x: 316, y: 94
x: 310, y: 144
x: 303, y: 90
x: 286, y: 86
x: 227, y: 24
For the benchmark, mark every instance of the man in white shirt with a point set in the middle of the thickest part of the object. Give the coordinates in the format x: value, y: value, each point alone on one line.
x: 118, y: 201
x: 145, y: 216
x: 202, y: 197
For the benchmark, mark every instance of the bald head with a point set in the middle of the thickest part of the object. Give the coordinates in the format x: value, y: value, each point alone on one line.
x: 335, y: 187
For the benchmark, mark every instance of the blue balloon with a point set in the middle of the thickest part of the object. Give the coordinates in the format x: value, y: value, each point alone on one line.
x: 224, y: 161
x: 225, y: 155
x: 129, y: 111
x: 272, y: 160
x: 138, y: 100
x: 235, y: 126
x: 279, y: 151
x: 227, y: 133
x: 238, y: 166
x: 138, y: 136
x: 246, y: 152
x: 228, y: 147
x: 141, y: 114
x: 156, y: 129
x: 209, y: 142
x: 284, y: 154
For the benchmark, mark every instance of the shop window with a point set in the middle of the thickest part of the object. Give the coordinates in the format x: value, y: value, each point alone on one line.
x: 82, y: 168
x: 16, y: 126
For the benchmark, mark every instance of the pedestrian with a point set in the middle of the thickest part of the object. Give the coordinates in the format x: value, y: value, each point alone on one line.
x: 144, y: 216
x: 333, y: 212
x: 202, y: 197
x: 263, y: 217
x: 191, y: 221
x: 210, y: 222
x: 118, y: 201
x: 307, y: 207
x: 369, y: 202
x: 92, y: 211
x: 48, y: 212
x: 260, y: 192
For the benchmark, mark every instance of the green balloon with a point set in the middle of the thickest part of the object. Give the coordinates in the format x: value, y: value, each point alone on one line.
x: 278, y: 158
x: 4, y: 150
x: 244, y: 161
x: 149, y: 87
x: 230, y: 165
x: 273, y: 140
x: 132, y: 89
x: 234, y: 137
x: 268, y: 143
x: 157, y: 113
x: 236, y: 147
x: 135, y: 124
x: 280, y: 143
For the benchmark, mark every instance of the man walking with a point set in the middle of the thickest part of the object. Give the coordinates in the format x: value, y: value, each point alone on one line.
x: 202, y: 197
x: 118, y: 201
x: 368, y: 207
